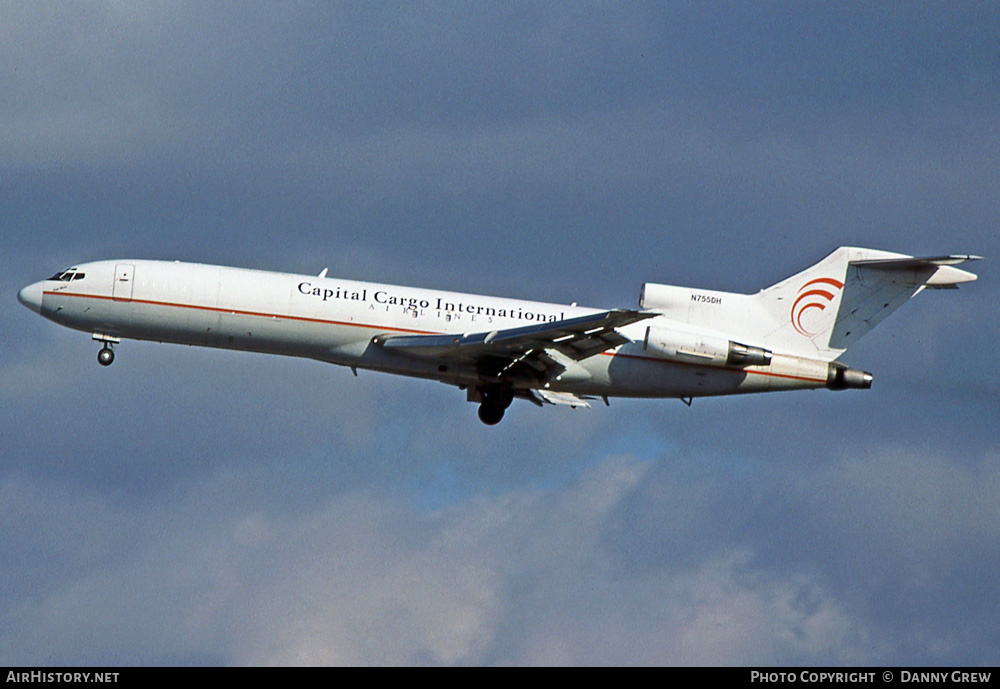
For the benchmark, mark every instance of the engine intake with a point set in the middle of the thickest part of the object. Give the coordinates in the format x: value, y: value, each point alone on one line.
x: 690, y: 347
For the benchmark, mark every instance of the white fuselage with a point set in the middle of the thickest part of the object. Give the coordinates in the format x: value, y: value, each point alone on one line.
x: 336, y: 320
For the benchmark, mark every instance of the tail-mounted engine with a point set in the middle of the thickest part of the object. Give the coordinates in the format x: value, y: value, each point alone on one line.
x: 840, y: 377
x: 703, y: 349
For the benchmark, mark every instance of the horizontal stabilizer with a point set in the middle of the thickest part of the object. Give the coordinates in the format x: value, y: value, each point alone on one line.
x: 935, y: 272
x: 915, y: 262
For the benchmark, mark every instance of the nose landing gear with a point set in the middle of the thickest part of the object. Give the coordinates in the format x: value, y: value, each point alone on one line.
x: 106, y: 356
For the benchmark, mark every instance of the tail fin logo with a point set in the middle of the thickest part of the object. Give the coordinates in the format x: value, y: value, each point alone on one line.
x: 815, y: 294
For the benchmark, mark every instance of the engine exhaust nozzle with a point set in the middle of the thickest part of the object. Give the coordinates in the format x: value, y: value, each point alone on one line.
x: 840, y: 377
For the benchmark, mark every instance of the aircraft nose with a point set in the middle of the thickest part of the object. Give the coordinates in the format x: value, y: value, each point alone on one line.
x: 31, y: 296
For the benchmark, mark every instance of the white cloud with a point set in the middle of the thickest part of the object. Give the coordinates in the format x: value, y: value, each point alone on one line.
x: 522, y: 577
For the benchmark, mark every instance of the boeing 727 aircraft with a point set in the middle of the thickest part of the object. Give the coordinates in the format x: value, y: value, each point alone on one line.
x: 680, y: 342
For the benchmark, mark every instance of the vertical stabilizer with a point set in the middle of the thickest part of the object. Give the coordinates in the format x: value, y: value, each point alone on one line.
x: 826, y: 308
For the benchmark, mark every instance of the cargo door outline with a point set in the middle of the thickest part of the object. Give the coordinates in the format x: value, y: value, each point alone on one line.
x: 124, y: 280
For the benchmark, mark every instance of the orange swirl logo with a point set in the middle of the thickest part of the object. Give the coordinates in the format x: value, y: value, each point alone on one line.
x: 815, y: 294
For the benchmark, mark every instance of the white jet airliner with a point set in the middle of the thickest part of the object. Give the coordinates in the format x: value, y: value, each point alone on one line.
x: 680, y: 343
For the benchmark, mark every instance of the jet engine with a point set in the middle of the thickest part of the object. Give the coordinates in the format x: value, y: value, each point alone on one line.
x: 839, y: 377
x: 703, y: 349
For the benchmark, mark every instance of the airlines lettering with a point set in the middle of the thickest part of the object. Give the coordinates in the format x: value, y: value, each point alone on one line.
x: 438, y: 303
x: 325, y: 293
x: 383, y: 297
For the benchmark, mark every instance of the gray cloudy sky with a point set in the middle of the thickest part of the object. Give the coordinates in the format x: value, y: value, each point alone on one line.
x: 203, y: 507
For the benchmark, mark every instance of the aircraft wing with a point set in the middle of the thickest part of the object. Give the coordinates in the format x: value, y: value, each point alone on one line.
x: 538, y: 346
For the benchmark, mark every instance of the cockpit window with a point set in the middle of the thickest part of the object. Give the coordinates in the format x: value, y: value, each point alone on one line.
x: 68, y: 275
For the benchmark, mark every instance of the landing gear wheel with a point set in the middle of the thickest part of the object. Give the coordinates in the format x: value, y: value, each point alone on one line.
x: 490, y: 414
x: 495, y: 400
x: 498, y: 396
x: 106, y: 356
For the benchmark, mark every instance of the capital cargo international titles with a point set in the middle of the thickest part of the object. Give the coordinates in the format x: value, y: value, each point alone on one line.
x: 386, y: 298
